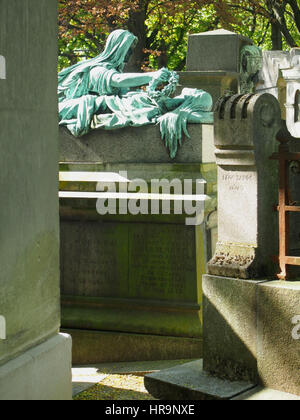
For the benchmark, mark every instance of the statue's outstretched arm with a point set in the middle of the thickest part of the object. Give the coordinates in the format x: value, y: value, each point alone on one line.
x: 130, y: 80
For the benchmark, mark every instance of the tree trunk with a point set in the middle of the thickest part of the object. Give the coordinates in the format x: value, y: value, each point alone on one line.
x: 136, y: 25
x: 277, y: 43
x: 277, y: 11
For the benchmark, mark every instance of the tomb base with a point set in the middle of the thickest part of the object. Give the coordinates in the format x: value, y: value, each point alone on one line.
x: 191, y: 383
x: 251, y: 335
x: 43, y: 373
x: 94, y: 347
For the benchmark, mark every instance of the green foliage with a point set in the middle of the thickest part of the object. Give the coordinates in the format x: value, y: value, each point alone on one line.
x: 163, y: 26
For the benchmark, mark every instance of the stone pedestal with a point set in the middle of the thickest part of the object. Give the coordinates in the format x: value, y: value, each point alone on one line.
x: 278, y: 335
x: 213, y: 62
x: 215, y: 51
x: 245, y: 130
x: 251, y: 342
x: 229, y: 332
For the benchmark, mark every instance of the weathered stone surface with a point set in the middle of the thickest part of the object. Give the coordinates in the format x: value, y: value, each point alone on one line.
x: 278, y: 336
x: 136, y: 145
x: 129, y: 260
x: 213, y: 62
x: 230, y: 328
x: 90, y: 347
x: 280, y: 76
x: 215, y: 50
x: 217, y: 83
x: 266, y: 394
x: 43, y: 373
x: 273, y: 63
x: 136, y: 264
x: 29, y: 256
x: 191, y: 382
x: 245, y: 130
x: 292, y: 103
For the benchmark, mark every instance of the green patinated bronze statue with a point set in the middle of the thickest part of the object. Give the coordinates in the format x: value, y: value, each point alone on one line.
x: 97, y: 94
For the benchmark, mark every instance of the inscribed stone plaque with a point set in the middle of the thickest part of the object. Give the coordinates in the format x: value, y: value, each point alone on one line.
x: 238, y: 187
x: 94, y: 259
x: 162, y: 262
x: 128, y: 260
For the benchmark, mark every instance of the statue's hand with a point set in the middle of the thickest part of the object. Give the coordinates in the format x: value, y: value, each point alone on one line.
x: 161, y: 76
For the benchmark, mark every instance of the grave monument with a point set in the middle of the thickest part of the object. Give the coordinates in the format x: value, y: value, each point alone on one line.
x: 130, y: 278
x: 136, y: 279
x: 251, y: 349
x: 35, y: 360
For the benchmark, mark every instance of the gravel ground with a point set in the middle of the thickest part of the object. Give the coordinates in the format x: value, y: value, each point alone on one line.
x: 116, y: 381
x: 117, y: 387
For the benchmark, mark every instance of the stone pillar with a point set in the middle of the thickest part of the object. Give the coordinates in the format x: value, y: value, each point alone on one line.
x: 245, y: 129
x: 35, y: 360
x: 213, y: 62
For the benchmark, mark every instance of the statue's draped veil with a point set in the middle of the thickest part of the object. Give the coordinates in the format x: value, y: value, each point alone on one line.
x: 73, y: 81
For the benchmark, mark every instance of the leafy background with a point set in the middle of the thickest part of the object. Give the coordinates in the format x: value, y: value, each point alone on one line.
x: 163, y: 26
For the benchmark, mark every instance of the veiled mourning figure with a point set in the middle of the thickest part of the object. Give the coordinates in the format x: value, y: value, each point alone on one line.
x: 97, y: 94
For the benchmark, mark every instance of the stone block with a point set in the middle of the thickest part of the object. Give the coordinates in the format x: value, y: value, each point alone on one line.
x: 217, y: 83
x: 279, y: 336
x: 229, y: 328
x: 43, y: 373
x: 90, y: 347
x: 136, y: 145
x: 215, y: 51
x: 130, y: 277
x: 191, y: 382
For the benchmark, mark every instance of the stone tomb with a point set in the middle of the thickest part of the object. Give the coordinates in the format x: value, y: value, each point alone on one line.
x: 133, y: 280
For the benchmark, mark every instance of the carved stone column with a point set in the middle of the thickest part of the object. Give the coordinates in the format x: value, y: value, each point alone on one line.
x: 245, y: 129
